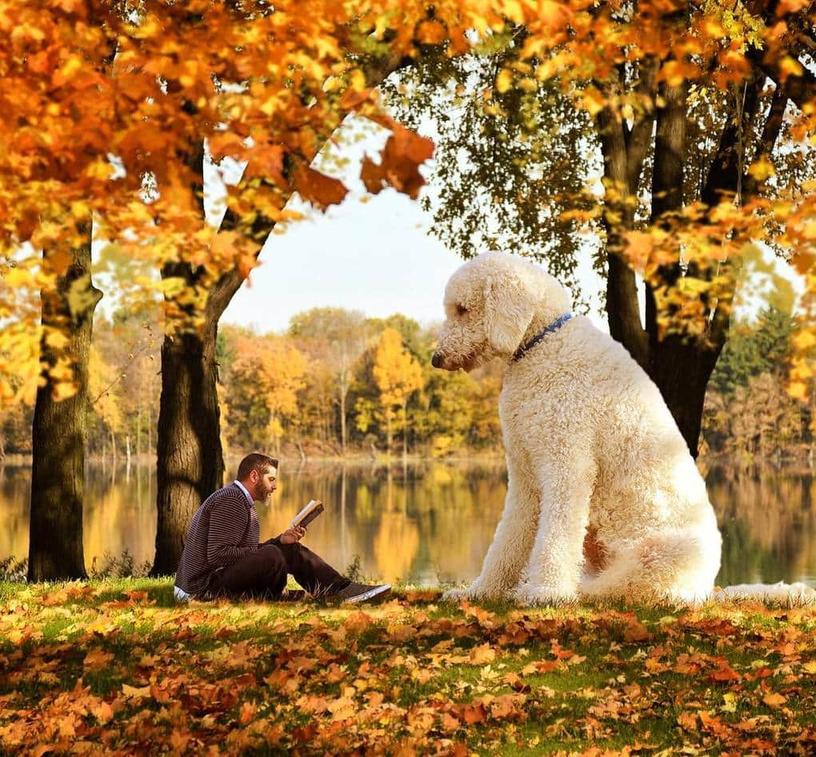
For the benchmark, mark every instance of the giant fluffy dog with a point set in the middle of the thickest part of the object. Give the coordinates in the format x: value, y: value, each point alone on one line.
x: 603, y: 498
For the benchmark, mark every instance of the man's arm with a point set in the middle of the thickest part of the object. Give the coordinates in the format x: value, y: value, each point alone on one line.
x: 228, y: 524
x: 289, y: 536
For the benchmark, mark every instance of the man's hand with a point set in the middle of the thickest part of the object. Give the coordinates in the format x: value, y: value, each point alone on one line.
x: 292, y: 535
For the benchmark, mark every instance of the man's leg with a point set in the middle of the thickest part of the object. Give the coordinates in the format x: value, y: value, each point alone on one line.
x: 312, y: 572
x: 259, y: 574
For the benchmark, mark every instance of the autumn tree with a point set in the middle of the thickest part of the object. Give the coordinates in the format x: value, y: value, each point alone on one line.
x: 325, y: 59
x: 109, y: 122
x: 749, y: 415
x: 340, y: 336
x: 659, y: 128
x: 105, y: 400
x: 754, y: 348
x: 124, y: 390
x: 398, y: 376
x: 264, y: 381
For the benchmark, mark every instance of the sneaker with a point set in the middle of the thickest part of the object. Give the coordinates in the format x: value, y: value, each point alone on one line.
x: 355, y: 592
x: 180, y: 595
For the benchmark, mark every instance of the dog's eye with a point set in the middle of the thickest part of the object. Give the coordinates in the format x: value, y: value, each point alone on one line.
x: 461, y: 310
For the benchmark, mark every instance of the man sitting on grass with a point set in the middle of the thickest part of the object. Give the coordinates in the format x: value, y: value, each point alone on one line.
x: 222, y: 556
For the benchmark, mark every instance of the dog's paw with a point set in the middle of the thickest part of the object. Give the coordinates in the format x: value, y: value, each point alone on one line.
x: 454, y: 596
x: 535, y: 595
x: 475, y: 591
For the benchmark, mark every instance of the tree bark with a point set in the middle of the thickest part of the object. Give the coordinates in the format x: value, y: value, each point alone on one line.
x: 60, y: 428
x: 680, y: 368
x: 189, y: 465
x: 623, y: 154
x: 680, y: 365
x: 190, y: 461
x: 404, y: 430
x: 343, y: 431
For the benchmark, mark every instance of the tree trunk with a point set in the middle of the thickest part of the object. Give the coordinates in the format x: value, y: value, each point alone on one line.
x: 404, y: 431
x: 189, y: 465
x: 190, y: 462
x: 60, y: 427
x: 343, y: 430
x: 679, y: 364
x: 679, y: 367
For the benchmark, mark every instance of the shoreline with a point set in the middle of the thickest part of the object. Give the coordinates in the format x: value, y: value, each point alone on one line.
x: 797, y: 464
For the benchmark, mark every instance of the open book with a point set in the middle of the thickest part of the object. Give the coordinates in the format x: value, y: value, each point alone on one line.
x: 307, y: 514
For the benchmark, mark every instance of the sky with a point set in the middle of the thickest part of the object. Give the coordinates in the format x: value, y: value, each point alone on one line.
x: 374, y: 256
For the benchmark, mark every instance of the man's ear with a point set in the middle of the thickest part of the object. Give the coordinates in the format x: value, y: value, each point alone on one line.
x: 508, y: 313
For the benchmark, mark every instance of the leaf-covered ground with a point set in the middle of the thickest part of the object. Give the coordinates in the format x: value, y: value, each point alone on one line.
x: 113, y: 666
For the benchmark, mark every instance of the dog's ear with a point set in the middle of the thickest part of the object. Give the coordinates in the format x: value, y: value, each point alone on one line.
x: 508, y: 313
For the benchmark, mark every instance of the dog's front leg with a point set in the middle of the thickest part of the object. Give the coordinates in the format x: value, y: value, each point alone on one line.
x: 553, y: 570
x: 510, y: 549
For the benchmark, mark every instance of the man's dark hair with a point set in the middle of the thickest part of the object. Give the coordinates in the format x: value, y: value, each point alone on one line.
x: 255, y: 461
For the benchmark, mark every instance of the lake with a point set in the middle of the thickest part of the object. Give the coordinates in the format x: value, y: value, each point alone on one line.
x: 427, y: 523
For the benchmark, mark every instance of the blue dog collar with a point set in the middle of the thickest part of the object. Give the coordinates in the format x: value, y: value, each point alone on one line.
x: 552, y: 328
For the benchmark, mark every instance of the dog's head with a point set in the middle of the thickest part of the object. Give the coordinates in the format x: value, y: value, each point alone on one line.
x: 491, y: 303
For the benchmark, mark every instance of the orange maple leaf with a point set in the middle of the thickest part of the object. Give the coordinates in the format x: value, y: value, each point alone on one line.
x: 319, y: 189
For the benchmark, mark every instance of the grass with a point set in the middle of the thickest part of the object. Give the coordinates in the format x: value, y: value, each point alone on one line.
x: 115, y: 664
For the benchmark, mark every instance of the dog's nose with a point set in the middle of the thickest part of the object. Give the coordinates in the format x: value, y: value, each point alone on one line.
x: 436, y: 360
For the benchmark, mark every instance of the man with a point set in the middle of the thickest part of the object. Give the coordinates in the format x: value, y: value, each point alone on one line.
x: 222, y: 556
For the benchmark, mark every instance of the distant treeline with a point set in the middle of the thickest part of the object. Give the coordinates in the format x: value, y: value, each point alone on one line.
x: 749, y: 415
x: 337, y: 382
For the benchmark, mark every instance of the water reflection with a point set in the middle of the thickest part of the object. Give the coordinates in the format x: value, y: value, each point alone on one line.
x: 427, y: 523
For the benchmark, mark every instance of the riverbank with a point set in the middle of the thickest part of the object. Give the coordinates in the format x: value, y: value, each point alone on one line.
x: 114, y: 665
x: 292, y: 460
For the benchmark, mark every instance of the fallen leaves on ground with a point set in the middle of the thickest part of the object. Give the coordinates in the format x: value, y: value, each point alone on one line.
x: 96, y: 669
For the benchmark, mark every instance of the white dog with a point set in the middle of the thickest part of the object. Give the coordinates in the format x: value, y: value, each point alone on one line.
x: 603, y: 499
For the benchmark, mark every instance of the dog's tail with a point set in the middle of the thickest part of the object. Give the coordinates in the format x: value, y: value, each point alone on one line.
x: 680, y: 567
x: 786, y: 595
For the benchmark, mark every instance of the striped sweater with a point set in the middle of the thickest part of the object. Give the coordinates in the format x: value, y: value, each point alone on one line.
x: 223, y: 530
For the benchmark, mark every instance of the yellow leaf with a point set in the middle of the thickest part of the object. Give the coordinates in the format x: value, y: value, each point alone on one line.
x: 504, y: 80
x: 797, y: 390
x: 730, y: 700
x: 514, y: 11
x: 762, y: 169
x: 482, y: 654
x: 68, y: 69
x: 804, y: 340
x: 64, y: 390
x: 56, y: 340
x: 357, y: 80
x: 774, y: 700
x: 594, y: 100
x: 790, y: 67
x: 16, y: 277
x: 140, y: 692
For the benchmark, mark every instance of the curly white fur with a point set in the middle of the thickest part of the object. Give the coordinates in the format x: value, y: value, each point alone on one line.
x: 590, y: 444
